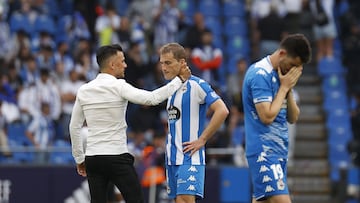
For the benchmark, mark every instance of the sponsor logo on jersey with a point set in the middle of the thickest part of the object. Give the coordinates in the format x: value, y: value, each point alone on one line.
x: 263, y: 168
x: 269, y: 189
x: 192, y: 169
x: 266, y: 179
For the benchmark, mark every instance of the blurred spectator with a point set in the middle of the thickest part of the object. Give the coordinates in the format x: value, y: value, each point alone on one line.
x: 68, y: 90
x: 350, y: 39
x: 354, y: 143
x: 63, y: 56
x: 293, y: 9
x: 306, y: 21
x: 41, y: 133
x: 292, y: 133
x: 136, y: 67
x: 324, y: 33
x: 84, y: 64
x: 9, y: 107
x: 28, y: 103
x: 194, y: 32
x: 45, y: 57
x: 207, y: 59
x: 166, y: 22
x: 271, y: 30
x: 13, y: 78
x: 154, y: 170
x: 235, y: 125
x: 29, y: 72
x: 107, y: 25
x: 4, y: 147
x: 48, y: 92
x: 138, y: 11
x: 234, y: 87
x: 124, y: 33
x: 5, y: 36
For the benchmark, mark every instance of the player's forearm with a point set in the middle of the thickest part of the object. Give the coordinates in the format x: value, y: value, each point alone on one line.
x: 293, y: 109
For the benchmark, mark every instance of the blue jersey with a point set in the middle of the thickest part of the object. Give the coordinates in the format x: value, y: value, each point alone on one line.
x: 186, y: 120
x: 261, y: 84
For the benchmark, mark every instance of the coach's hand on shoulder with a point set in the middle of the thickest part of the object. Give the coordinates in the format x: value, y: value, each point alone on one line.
x: 184, y: 73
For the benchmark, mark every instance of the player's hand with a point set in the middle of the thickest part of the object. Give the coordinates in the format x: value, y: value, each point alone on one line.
x: 290, y: 79
x: 193, y: 146
x: 184, y: 73
x: 81, y: 169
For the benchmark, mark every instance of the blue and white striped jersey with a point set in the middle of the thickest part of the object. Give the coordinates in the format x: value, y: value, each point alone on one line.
x: 261, y: 84
x: 186, y: 120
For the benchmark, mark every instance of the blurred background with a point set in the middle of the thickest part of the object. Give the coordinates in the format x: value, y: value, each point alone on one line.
x: 47, y: 51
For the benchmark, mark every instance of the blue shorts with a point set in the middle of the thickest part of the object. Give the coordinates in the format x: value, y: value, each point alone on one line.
x: 185, y: 180
x: 268, y: 176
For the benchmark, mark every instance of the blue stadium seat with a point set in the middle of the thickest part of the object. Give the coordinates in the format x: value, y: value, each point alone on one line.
x: 327, y: 66
x: 67, y: 7
x: 333, y: 82
x: 235, y: 26
x: 121, y: 6
x: 20, y: 153
x: 44, y: 23
x: 214, y: 24
x: 19, y: 22
x: 234, y: 8
x: 237, y: 45
x: 16, y: 132
x: 218, y: 41
x: 62, y: 153
x: 188, y: 7
x: 231, y: 65
x: 339, y: 156
x: 210, y: 7
x: 335, y: 99
x: 53, y: 8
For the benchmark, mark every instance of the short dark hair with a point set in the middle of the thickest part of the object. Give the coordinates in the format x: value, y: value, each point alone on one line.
x: 105, y: 52
x: 297, y: 45
x: 176, y: 49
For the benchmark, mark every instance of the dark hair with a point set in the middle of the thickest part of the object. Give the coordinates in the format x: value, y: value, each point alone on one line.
x: 176, y: 49
x: 297, y: 45
x: 105, y: 52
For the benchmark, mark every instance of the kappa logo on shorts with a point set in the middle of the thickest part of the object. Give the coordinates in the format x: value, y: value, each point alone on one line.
x: 192, y: 178
x: 192, y: 169
x: 269, y: 189
x: 266, y: 178
x: 191, y: 188
x: 263, y: 168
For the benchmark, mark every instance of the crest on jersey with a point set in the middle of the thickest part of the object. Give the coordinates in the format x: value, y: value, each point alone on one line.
x: 280, y: 184
x: 173, y: 114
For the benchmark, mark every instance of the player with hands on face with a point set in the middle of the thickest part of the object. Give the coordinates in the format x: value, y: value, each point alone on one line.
x: 269, y: 105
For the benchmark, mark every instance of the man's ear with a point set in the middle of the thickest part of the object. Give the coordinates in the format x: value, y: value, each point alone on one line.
x: 282, y: 52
